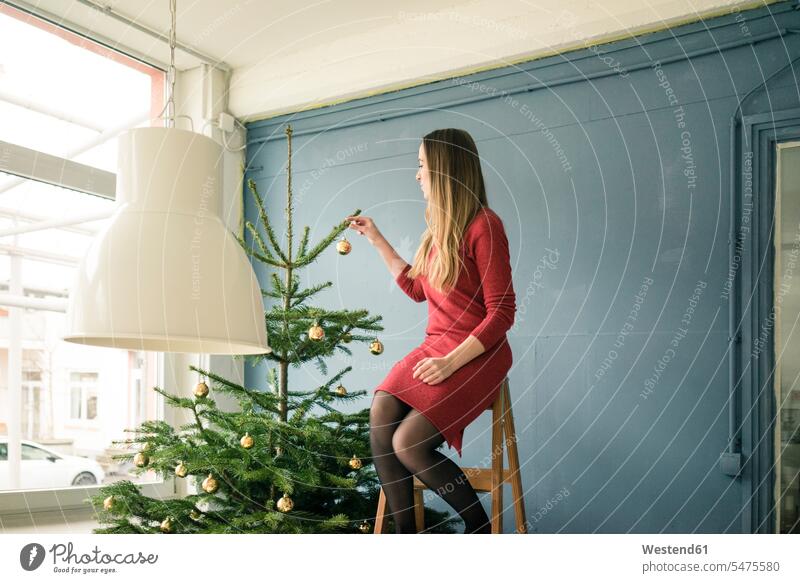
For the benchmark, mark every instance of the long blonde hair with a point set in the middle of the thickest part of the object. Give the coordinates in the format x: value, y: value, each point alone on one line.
x: 457, y: 194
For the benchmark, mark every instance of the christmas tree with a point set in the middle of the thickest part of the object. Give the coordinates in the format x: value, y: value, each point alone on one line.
x: 288, y: 461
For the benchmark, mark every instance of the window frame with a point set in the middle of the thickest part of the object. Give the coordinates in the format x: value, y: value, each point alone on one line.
x: 29, y: 389
x: 25, y: 502
x: 83, y: 386
x: 33, y: 165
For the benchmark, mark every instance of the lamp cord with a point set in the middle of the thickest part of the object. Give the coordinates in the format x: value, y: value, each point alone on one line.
x: 171, y: 72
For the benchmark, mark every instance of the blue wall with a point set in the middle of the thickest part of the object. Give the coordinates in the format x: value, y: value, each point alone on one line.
x: 613, y: 178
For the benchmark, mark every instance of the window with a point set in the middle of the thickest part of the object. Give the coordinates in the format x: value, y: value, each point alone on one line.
x: 32, y: 406
x: 83, y: 395
x: 30, y: 453
x: 63, y: 101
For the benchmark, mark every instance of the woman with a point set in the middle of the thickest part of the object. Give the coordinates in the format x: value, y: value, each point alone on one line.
x: 462, y: 269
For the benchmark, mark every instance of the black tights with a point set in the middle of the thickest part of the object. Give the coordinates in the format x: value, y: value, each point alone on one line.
x: 404, y: 444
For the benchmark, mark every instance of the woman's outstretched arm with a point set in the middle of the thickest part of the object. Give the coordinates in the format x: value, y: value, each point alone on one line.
x: 391, y: 258
x: 397, y: 265
x: 399, y: 268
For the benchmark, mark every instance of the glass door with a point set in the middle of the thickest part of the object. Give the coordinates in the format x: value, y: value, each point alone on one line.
x: 787, y: 337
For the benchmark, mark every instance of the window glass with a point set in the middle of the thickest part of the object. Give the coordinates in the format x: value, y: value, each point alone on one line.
x: 63, y: 95
x: 31, y: 453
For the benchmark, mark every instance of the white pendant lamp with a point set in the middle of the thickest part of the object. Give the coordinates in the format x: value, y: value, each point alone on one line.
x: 165, y: 274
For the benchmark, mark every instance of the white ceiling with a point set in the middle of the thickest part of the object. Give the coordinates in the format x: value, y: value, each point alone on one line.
x: 292, y: 55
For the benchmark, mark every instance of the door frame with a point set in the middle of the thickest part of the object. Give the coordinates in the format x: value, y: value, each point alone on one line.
x: 793, y: 144
x: 759, y: 137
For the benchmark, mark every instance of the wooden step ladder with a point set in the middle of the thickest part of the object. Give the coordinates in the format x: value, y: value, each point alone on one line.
x: 489, y: 479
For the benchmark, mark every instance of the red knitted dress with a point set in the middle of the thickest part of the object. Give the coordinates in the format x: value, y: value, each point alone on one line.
x: 482, y: 304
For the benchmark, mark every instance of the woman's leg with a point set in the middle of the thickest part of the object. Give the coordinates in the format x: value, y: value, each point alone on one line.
x: 415, y: 443
x: 385, y: 415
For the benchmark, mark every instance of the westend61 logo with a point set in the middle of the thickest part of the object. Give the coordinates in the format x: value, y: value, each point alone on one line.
x: 65, y: 560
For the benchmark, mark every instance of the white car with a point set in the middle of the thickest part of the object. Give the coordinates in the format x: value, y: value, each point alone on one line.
x: 45, y: 468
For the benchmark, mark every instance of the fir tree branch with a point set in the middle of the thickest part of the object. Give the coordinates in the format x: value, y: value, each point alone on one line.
x: 300, y: 297
x: 262, y: 399
x: 259, y: 241
x: 262, y: 213
x: 259, y: 256
x: 312, y: 255
x: 303, y: 243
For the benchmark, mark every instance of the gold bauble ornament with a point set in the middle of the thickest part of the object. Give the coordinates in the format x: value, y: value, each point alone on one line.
x: 194, y: 515
x: 347, y: 337
x: 343, y: 246
x: 285, y: 504
x: 341, y: 391
x: 141, y: 459
x: 181, y: 470
x: 364, y: 527
x: 376, y: 346
x: 108, y: 503
x: 278, y: 450
x: 354, y: 462
x: 166, y: 526
x: 210, y: 484
x: 246, y: 441
x: 201, y: 390
x: 316, y: 332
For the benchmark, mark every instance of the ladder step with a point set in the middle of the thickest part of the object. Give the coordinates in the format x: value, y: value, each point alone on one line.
x: 479, y: 478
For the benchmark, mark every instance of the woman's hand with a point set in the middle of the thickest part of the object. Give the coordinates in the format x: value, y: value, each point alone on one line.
x: 365, y: 226
x: 433, y: 370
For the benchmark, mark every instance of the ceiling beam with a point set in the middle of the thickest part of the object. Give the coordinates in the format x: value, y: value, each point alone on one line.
x: 111, y: 13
